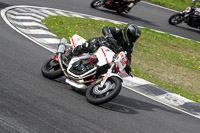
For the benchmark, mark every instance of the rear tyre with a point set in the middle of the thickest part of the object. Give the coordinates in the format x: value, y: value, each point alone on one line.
x: 51, y: 69
x: 111, y: 89
x: 175, y: 19
x: 96, y: 3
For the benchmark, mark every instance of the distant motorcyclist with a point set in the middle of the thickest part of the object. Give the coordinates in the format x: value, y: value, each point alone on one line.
x: 127, y: 6
x: 114, y: 38
x: 194, y: 2
x: 197, y: 13
x: 131, y: 5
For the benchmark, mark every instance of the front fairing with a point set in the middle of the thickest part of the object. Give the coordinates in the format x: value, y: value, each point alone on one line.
x: 104, y: 55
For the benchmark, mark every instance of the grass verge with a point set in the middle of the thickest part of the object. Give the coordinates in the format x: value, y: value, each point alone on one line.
x: 162, y: 59
x: 173, y: 4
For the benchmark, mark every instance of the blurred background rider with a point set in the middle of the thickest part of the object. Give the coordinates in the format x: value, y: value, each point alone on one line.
x: 194, y: 2
x: 127, y: 6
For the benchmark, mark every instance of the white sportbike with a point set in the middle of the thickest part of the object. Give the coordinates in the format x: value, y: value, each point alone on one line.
x: 98, y: 73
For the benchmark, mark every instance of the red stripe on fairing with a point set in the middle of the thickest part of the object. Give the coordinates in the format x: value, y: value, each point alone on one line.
x: 104, y: 55
x: 91, y: 59
x: 73, y: 42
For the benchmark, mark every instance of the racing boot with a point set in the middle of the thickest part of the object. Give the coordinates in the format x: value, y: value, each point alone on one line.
x: 127, y: 10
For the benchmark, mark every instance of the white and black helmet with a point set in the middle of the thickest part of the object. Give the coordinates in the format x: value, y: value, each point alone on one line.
x: 131, y: 33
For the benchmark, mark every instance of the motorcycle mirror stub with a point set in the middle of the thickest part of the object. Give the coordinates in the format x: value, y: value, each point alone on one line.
x: 61, y: 48
x: 63, y: 41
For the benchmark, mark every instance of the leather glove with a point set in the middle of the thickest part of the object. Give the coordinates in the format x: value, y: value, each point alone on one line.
x: 81, y: 49
x: 112, y: 41
x: 77, y: 50
x: 113, y: 45
x: 84, y: 47
x: 119, y: 49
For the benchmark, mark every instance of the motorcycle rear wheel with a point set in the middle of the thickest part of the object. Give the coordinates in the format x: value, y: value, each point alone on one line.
x: 93, y: 97
x: 175, y: 19
x: 51, y: 69
x: 96, y: 3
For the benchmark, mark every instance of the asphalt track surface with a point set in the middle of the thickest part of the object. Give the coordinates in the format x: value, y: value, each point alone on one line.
x: 31, y: 103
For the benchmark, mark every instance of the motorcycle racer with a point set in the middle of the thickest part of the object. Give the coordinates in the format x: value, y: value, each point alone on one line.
x: 127, y: 7
x: 194, y: 2
x: 114, y: 38
x: 198, y: 12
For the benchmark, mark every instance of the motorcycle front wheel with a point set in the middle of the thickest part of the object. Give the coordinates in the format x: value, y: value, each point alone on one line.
x: 96, y: 3
x: 96, y: 95
x: 51, y: 69
x: 175, y: 19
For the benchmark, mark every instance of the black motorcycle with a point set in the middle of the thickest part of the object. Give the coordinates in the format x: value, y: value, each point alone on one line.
x: 191, y: 16
x: 117, y: 6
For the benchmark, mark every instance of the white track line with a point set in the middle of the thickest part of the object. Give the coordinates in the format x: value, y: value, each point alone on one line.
x: 51, y: 40
x: 3, y: 14
x: 37, y: 31
x: 63, y: 14
x: 24, y: 17
x: 50, y: 13
x: 196, y: 116
x: 76, y: 15
x: 23, y: 10
x: 26, y: 14
x: 158, y: 6
x: 30, y: 24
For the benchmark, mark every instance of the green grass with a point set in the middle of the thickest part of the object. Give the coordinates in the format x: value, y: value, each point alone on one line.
x: 173, y: 4
x: 162, y: 59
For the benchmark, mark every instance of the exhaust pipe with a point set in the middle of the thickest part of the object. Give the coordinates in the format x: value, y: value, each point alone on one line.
x: 72, y: 83
x: 61, y: 46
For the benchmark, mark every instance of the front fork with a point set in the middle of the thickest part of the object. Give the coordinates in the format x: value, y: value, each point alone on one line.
x: 185, y: 16
x: 106, y: 76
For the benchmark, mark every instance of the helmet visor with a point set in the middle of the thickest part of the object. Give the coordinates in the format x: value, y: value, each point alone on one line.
x: 132, y: 38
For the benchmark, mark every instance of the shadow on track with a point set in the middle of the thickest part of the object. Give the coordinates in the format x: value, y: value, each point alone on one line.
x: 188, y: 28
x: 128, y: 105
x: 123, y: 104
x: 127, y: 16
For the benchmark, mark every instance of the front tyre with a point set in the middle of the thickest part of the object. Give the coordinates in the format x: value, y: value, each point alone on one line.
x: 51, y: 69
x: 176, y: 19
x: 110, y: 90
x: 96, y: 3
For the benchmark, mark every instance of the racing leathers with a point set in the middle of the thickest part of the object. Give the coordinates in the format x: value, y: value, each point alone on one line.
x: 113, y: 39
x: 197, y: 13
